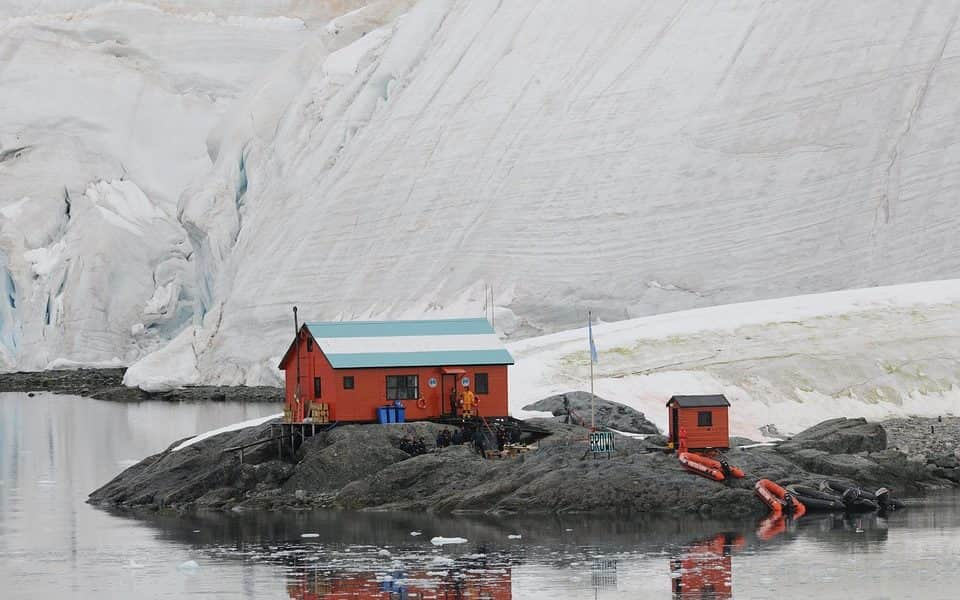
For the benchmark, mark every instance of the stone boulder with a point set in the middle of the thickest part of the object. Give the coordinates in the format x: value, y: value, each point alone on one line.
x: 839, y: 436
x: 606, y: 413
x: 333, y: 459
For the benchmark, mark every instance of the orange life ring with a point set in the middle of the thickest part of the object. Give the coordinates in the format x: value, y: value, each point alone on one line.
x: 421, y: 403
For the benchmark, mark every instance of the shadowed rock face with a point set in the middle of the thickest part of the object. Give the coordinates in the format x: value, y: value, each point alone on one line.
x: 840, y: 436
x: 606, y: 413
x: 361, y: 467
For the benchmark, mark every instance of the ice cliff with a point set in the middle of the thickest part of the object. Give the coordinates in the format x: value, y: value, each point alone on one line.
x: 632, y: 157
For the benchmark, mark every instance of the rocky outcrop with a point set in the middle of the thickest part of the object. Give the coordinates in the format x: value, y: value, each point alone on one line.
x: 606, y: 413
x: 933, y: 443
x: 362, y: 467
x: 840, y: 436
x: 107, y: 384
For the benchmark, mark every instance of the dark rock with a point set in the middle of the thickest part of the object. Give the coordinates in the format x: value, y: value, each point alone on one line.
x: 331, y: 460
x: 952, y: 474
x: 839, y: 436
x: 361, y: 467
x: 107, y: 384
x: 945, y: 461
x: 606, y: 413
x: 219, y: 396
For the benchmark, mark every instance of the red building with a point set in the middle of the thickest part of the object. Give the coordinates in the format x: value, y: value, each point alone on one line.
x: 704, y: 418
x: 349, y: 369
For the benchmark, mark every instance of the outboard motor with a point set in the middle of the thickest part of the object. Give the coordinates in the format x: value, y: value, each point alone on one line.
x: 788, y: 506
x: 883, y: 497
x: 850, y: 496
x: 724, y: 466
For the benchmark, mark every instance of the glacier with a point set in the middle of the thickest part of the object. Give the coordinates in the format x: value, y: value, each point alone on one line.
x: 647, y: 157
x: 402, y: 158
x: 105, y: 114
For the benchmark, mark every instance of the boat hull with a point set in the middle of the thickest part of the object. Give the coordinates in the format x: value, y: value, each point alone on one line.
x: 708, y: 467
x: 775, y: 497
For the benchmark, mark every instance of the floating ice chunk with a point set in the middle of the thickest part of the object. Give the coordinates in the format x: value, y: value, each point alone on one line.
x: 442, y: 541
x: 441, y: 561
x: 416, y: 533
x: 189, y: 565
x: 383, y: 552
x: 309, y: 535
x: 132, y: 564
x: 514, y: 536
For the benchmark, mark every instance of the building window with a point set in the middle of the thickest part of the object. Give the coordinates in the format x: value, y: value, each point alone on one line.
x: 402, y: 387
x: 316, y: 387
x: 348, y: 382
x: 480, y: 383
x: 309, y: 344
x: 704, y: 418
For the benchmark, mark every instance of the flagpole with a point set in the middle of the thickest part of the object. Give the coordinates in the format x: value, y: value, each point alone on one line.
x: 593, y: 426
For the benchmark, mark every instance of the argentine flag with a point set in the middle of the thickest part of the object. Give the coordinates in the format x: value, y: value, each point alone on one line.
x: 593, y: 347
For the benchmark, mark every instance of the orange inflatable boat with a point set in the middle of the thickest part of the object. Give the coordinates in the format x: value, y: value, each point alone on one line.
x: 778, y: 499
x: 708, y: 467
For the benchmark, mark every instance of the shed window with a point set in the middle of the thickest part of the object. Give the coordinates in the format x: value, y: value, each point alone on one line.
x: 348, y: 382
x: 309, y: 344
x: 402, y: 387
x: 704, y: 418
x: 481, y: 383
x: 316, y: 387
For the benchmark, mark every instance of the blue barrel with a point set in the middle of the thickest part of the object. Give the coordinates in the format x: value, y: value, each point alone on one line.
x: 401, y: 414
x: 382, y: 415
x: 391, y: 414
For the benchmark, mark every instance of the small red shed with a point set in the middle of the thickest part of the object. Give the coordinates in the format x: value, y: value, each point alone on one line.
x: 704, y: 418
x: 348, y: 369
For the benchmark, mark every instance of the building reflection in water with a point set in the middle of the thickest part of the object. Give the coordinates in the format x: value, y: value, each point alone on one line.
x: 404, y: 585
x: 704, y: 569
x: 603, y: 574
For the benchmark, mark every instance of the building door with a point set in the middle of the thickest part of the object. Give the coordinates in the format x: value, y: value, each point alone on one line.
x: 674, y: 425
x: 449, y: 392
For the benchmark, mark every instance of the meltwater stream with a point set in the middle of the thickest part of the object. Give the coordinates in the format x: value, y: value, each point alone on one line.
x: 55, y: 449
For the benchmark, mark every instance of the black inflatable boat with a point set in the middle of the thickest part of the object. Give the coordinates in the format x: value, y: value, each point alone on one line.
x: 860, y: 499
x: 817, y: 500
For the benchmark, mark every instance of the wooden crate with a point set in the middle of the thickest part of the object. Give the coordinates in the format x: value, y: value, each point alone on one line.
x: 320, y: 412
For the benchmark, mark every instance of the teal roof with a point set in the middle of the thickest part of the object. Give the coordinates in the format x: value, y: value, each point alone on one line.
x: 335, y: 329
x: 438, y: 342
x: 448, y: 358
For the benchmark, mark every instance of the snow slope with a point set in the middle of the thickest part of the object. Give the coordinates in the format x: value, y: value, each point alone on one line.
x: 790, y: 362
x: 644, y: 157
x: 637, y: 157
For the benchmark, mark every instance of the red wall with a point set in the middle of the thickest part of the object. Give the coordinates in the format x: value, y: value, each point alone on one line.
x: 715, y: 436
x: 370, y: 388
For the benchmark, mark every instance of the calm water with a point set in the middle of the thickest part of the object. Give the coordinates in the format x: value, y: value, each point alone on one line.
x: 55, y: 449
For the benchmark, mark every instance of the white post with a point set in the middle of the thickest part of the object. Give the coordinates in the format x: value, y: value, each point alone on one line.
x: 593, y: 426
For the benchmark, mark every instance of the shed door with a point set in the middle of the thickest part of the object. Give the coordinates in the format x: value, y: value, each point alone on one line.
x: 674, y: 425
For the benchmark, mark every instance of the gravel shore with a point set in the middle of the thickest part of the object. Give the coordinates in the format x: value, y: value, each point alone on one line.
x: 107, y: 384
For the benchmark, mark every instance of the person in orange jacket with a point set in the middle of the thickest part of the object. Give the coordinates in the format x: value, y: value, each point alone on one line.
x: 469, y: 402
x: 682, y: 447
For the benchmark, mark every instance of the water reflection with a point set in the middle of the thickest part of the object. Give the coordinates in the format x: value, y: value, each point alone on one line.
x: 400, y: 584
x: 55, y: 450
x: 705, y: 569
